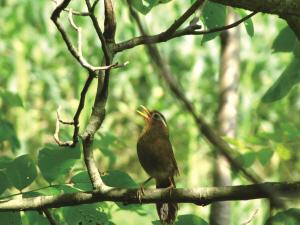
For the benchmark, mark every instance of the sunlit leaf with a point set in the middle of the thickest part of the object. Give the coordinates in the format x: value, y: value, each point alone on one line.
x: 21, y: 171
x: 55, y: 161
x: 283, y: 152
x: 286, y: 81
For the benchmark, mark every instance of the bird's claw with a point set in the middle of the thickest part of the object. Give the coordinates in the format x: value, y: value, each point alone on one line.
x: 140, y: 193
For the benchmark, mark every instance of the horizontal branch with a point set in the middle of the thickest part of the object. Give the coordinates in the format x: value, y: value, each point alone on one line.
x: 286, y: 9
x: 279, y: 7
x: 199, y: 196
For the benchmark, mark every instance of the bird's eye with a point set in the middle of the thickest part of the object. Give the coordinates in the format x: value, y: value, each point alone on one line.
x: 156, y: 116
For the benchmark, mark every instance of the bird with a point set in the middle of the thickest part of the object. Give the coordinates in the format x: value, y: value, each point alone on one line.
x: 156, y: 156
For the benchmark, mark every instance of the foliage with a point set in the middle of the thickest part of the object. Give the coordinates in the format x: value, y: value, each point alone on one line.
x: 38, y: 74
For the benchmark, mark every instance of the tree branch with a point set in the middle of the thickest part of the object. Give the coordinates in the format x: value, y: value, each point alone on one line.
x: 98, y: 113
x: 54, y: 17
x: 99, y: 32
x: 190, y: 30
x: 286, y: 9
x: 199, y: 196
x: 163, y: 36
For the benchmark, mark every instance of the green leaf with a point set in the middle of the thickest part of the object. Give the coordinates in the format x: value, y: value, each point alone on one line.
x: 285, y: 41
x: 214, y: 15
x: 288, y: 217
x: 248, y: 23
x: 297, y: 49
x: 35, y: 218
x: 248, y: 159
x: 286, y: 81
x: 85, y: 214
x: 11, y: 99
x: 264, y: 156
x: 7, y: 130
x: 10, y: 218
x: 189, y: 219
x: 289, y: 131
x: 21, y: 171
x: 249, y: 27
x: 55, y: 161
x: 104, y: 142
x: 82, y: 181
x: 116, y: 178
x: 283, y: 152
x: 4, y: 184
x: 4, y: 161
x: 144, y: 6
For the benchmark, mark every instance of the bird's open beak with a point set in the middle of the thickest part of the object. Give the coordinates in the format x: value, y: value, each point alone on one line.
x: 145, y: 113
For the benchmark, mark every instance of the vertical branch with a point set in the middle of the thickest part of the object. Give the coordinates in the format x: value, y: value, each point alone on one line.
x: 98, y: 114
x: 227, y: 115
x: 110, y: 21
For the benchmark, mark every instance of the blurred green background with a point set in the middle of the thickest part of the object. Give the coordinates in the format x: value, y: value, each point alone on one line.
x: 38, y: 74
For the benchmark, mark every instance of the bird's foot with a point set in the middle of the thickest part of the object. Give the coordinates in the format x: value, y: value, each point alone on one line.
x: 140, y: 193
x: 171, y: 187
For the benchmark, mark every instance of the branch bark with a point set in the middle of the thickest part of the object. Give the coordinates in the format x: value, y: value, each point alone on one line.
x: 286, y: 9
x: 98, y: 114
x: 199, y: 196
x: 164, y: 36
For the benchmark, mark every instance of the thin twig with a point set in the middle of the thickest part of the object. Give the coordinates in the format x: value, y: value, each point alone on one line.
x: 49, y: 216
x: 75, y: 121
x: 190, y: 30
x: 76, y: 13
x: 57, y: 129
x: 251, y: 217
x: 71, y: 48
x: 163, y: 36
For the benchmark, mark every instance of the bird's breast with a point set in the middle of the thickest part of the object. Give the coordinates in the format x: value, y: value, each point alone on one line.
x: 153, y: 155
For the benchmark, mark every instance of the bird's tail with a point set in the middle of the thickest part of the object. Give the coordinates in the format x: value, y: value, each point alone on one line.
x: 166, y: 211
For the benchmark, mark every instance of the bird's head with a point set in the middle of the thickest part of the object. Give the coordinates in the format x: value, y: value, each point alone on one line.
x: 153, y: 118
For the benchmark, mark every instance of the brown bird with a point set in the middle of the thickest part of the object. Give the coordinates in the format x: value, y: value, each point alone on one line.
x: 156, y: 156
